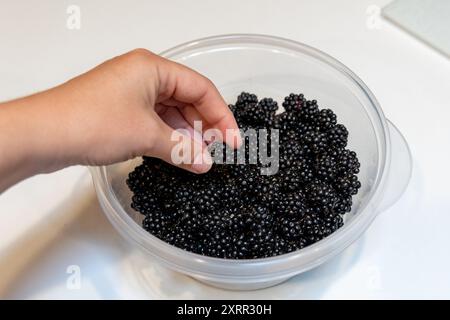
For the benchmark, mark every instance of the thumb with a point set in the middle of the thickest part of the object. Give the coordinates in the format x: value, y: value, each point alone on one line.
x: 178, y: 148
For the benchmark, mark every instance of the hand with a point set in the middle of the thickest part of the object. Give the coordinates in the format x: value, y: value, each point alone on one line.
x: 123, y: 108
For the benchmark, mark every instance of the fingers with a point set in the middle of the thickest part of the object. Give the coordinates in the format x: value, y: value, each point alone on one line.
x: 178, y: 148
x: 176, y: 120
x: 187, y: 86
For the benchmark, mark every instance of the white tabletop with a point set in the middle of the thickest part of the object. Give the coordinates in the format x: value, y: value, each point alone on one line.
x: 51, y: 226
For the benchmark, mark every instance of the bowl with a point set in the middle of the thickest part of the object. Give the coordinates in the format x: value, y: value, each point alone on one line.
x: 274, y: 67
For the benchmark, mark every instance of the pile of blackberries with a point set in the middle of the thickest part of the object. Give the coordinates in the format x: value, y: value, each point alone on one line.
x: 235, y: 212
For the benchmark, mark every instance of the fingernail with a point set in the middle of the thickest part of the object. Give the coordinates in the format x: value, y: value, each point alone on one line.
x: 202, y: 162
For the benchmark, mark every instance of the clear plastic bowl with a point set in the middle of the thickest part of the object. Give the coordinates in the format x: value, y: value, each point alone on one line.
x: 274, y: 67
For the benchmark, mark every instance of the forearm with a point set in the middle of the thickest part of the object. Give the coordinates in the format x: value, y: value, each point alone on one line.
x: 28, y: 138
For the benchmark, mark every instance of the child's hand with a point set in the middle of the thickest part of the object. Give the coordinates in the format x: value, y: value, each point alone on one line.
x: 125, y: 107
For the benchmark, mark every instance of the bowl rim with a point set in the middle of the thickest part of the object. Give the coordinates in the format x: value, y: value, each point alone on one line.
x: 205, y: 266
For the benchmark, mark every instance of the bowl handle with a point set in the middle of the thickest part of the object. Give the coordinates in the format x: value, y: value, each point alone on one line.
x: 400, y: 168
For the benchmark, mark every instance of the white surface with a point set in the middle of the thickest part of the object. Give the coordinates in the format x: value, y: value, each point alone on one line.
x: 48, y: 223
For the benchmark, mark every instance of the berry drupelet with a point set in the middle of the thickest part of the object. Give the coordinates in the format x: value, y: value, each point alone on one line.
x: 233, y: 211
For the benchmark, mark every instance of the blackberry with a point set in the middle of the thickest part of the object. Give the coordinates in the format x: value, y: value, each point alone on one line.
x: 290, y: 179
x: 316, y: 140
x: 267, y: 189
x: 321, y: 196
x: 326, y: 119
x: 289, y: 140
x: 233, y: 211
x: 259, y: 114
x: 326, y: 167
x: 293, y: 102
x: 291, y: 204
x: 306, y: 171
x: 337, y: 136
x: 245, y: 102
x: 289, y: 228
x: 348, y: 185
x: 309, y: 111
x: 145, y: 202
x: 289, y: 121
x: 343, y: 204
x: 246, y: 99
x: 348, y: 162
x: 155, y: 224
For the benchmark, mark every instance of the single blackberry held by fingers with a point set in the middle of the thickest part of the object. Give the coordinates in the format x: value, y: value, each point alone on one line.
x: 233, y: 211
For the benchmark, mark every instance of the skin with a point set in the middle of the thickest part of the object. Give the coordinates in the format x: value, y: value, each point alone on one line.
x: 126, y: 107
